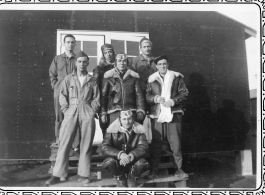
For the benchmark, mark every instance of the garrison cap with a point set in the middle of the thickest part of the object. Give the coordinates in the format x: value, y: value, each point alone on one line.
x: 80, y: 54
x: 143, y: 40
x: 126, y: 113
x: 160, y: 58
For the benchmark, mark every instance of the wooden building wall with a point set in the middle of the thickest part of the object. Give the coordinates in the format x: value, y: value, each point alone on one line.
x: 209, y: 49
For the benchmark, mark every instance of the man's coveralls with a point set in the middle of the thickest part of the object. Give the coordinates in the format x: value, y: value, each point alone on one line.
x: 75, y: 103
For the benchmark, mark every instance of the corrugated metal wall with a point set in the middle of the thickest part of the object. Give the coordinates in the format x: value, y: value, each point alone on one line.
x: 206, y: 47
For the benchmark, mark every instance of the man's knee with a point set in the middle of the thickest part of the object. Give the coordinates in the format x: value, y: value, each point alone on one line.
x: 109, y: 162
x: 139, y: 167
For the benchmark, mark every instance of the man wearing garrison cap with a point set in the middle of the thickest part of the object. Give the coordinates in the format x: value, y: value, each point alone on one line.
x: 79, y: 100
x: 106, y: 63
x: 125, y: 147
x: 144, y: 64
x: 166, y: 93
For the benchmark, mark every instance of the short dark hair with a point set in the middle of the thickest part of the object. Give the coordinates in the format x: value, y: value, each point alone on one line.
x: 68, y: 35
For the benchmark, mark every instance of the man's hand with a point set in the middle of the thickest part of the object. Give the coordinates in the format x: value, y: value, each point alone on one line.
x: 140, y: 116
x: 131, y: 157
x: 160, y: 100
x: 169, y: 103
x: 95, y: 106
x: 104, y: 119
x: 124, y: 159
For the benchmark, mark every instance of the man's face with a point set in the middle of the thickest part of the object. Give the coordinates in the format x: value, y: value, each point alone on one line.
x: 146, y: 48
x: 69, y: 44
x: 126, y: 121
x: 121, y: 64
x: 81, y: 64
x: 162, y: 66
x: 109, y: 55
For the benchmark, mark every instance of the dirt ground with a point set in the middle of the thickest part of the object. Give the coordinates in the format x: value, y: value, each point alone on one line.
x: 205, y: 171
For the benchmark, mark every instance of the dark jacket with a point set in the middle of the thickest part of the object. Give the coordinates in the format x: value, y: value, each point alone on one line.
x: 179, y: 94
x: 114, y: 141
x: 140, y: 65
x: 121, y: 93
x: 100, y: 70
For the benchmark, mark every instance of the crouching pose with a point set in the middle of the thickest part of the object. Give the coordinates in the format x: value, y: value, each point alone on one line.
x: 125, y: 145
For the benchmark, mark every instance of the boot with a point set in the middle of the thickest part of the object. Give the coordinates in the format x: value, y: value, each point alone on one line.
x: 131, y: 181
x: 52, y: 180
x: 152, y: 174
x: 181, y: 174
x: 121, y: 181
x: 84, y: 180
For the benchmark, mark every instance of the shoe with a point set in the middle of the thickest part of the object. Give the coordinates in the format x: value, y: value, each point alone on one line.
x: 84, y: 180
x: 121, y: 181
x: 131, y: 181
x: 152, y: 174
x: 52, y: 180
x: 181, y: 174
x: 62, y: 179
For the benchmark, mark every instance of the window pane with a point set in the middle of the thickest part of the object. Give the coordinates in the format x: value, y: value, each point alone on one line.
x: 92, y: 64
x: 90, y: 48
x: 77, y: 47
x: 118, y: 46
x: 132, y: 48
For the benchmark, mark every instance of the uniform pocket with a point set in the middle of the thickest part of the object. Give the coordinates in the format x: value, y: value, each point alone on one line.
x: 72, y: 91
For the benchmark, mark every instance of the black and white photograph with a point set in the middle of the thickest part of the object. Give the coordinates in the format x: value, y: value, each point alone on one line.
x: 131, y: 96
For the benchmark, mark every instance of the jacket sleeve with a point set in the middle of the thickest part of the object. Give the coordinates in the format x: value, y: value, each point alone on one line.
x: 133, y: 65
x: 182, y: 93
x: 53, y: 72
x: 150, y: 98
x: 96, y: 93
x: 140, y: 100
x: 64, y: 95
x: 107, y: 147
x: 142, y: 147
x: 104, y: 96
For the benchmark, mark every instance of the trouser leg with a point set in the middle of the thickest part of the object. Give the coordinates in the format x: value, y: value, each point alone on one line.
x: 76, y: 141
x: 66, y: 137
x: 103, y: 127
x: 155, y: 148
x: 139, y: 167
x: 174, y: 138
x: 58, y: 116
x: 87, y: 130
x: 113, y: 167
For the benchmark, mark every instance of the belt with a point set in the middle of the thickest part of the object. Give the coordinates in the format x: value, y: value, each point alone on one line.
x: 77, y: 102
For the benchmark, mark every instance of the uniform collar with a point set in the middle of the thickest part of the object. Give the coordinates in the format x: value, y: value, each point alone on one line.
x: 65, y: 56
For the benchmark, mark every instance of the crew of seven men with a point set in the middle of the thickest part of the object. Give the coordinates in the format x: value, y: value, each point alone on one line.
x: 122, y: 95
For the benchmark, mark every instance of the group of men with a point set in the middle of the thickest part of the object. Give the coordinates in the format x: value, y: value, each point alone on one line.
x: 121, y: 94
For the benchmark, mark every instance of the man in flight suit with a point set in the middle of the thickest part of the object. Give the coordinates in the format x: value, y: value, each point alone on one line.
x: 106, y: 63
x: 79, y: 100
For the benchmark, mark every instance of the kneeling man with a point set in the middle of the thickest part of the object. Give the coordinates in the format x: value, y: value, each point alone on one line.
x: 125, y: 145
